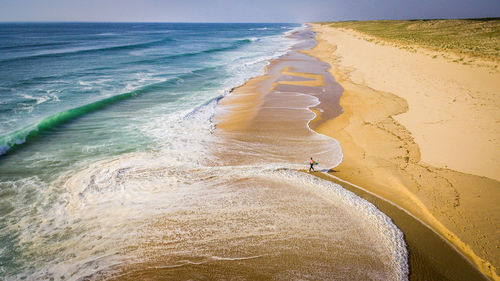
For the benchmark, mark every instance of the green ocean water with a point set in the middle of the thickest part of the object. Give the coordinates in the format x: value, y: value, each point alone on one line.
x: 110, y: 160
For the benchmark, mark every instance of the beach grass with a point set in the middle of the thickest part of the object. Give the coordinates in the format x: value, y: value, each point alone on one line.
x: 470, y: 37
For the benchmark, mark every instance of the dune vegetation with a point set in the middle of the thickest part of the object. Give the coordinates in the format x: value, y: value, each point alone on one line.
x: 470, y: 37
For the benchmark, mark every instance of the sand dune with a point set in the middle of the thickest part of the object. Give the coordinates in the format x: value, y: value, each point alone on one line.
x: 422, y: 131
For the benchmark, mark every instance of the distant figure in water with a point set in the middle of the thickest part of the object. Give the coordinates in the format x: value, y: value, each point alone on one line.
x: 312, y: 162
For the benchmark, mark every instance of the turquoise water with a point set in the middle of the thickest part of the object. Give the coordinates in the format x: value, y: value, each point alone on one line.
x: 74, y: 93
x: 110, y: 160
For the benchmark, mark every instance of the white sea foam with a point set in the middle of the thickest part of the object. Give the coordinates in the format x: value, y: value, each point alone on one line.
x: 84, y: 83
x: 107, y: 34
x: 53, y: 96
x: 100, y: 210
x: 126, y: 191
x: 391, y: 239
x: 39, y: 100
x: 106, y: 203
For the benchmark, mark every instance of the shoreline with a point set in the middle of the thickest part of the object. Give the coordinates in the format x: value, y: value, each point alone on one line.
x: 422, y: 258
x: 444, y: 99
x: 422, y: 241
x: 381, y: 155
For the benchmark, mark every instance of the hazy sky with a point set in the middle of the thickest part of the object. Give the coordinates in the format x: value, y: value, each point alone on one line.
x: 242, y: 10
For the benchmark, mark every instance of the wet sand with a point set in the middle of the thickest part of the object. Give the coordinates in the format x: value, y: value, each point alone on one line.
x: 382, y: 156
x: 306, y: 237
x: 244, y: 219
x: 431, y: 257
x: 267, y: 119
x: 249, y: 213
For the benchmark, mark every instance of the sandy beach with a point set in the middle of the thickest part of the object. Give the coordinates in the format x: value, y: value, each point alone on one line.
x: 244, y: 207
x: 421, y: 131
x: 264, y: 141
x: 260, y: 112
x: 253, y: 214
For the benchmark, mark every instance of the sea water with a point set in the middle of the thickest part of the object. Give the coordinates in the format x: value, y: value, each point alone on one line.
x: 107, y: 164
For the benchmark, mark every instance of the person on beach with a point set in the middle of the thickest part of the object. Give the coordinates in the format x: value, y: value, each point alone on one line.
x: 312, y: 162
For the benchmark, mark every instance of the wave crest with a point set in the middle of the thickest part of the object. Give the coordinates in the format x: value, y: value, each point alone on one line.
x: 94, y: 50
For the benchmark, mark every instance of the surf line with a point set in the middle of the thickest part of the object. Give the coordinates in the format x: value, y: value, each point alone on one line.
x: 474, y: 260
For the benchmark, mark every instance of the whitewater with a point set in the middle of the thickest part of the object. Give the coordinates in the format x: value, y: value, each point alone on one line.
x: 111, y: 167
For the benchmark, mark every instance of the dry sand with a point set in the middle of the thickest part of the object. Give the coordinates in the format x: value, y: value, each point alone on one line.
x: 423, y: 132
x: 252, y: 112
x: 454, y: 109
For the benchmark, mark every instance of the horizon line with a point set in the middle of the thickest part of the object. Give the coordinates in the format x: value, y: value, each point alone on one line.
x: 245, y: 22
x: 214, y: 22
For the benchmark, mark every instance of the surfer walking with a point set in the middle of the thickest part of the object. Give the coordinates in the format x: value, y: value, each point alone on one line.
x: 311, y: 162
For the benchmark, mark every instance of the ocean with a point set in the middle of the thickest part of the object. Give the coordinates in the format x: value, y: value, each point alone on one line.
x: 111, y: 167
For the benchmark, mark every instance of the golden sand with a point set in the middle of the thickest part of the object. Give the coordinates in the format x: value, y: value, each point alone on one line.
x: 423, y: 133
x: 453, y: 109
x: 430, y: 257
x: 242, y: 105
x: 380, y: 155
x: 316, y: 80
